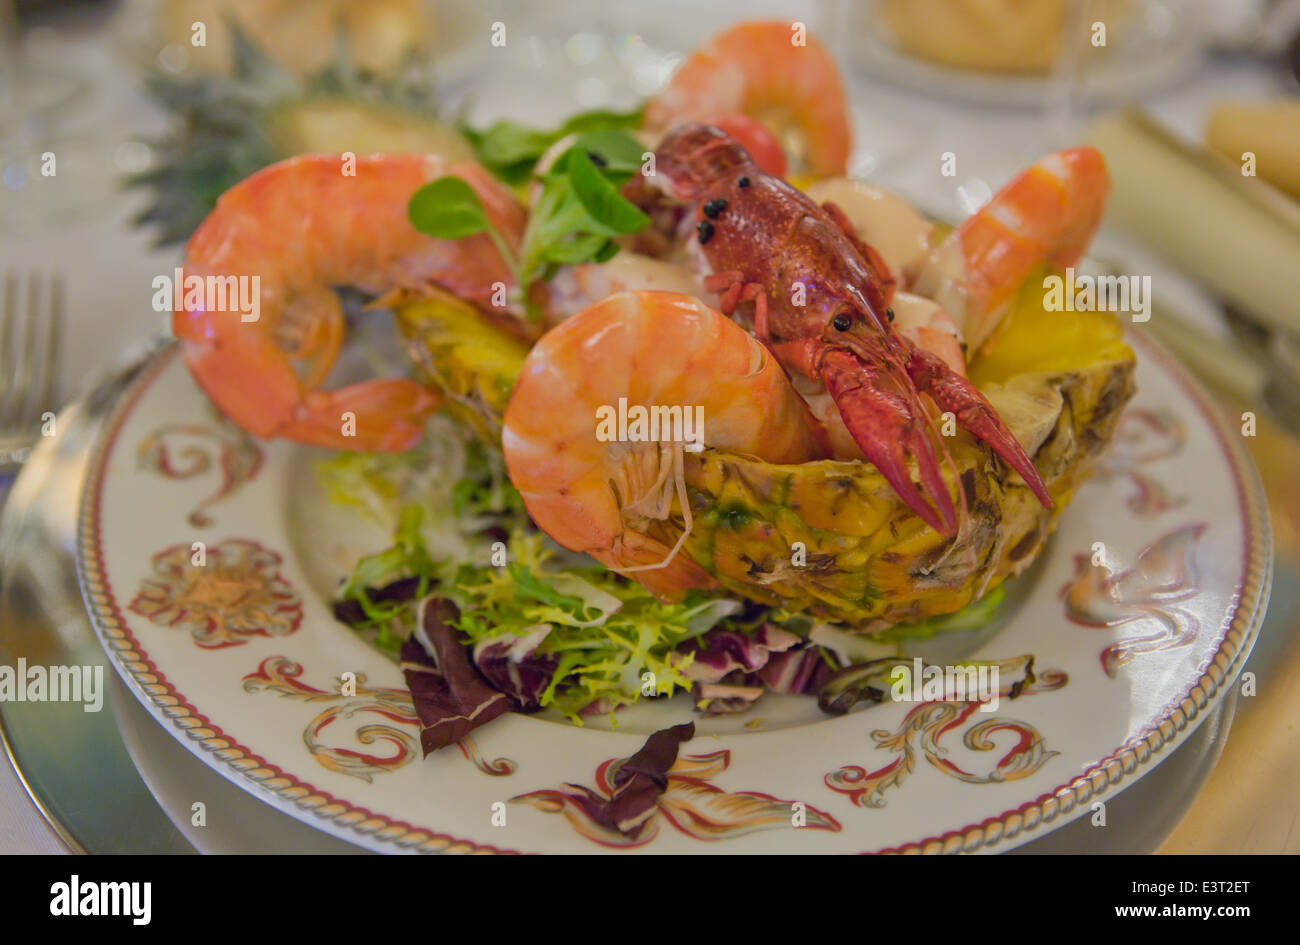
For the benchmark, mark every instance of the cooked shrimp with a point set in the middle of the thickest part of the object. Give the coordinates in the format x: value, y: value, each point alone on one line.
x: 1047, y: 214
x: 756, y: 69
x: 660, y: 350
x: 303, y: 226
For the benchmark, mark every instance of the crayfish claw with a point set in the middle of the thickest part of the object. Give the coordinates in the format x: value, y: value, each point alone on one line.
x: 888, y: 429
x: 952, y: 392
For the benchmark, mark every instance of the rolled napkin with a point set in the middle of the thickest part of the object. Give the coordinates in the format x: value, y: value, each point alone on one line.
x: 1236, y: 234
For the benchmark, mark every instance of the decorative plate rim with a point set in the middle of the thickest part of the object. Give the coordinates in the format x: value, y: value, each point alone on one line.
x: 249, y: 770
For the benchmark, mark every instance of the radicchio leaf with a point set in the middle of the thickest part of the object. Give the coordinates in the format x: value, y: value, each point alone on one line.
x: 450, y: 697
x: 720, y: 652
x: 862, y: 682
x: 640, y: 780
x: 796, y: 671
x: 513, y: 666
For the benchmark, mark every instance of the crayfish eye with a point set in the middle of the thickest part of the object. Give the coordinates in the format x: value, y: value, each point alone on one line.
x: 842, y: 322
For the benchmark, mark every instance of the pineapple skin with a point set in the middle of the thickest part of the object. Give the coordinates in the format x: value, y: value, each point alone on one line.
x: 866, y: 558
x: 1058, y: 380
x: 470, y: 357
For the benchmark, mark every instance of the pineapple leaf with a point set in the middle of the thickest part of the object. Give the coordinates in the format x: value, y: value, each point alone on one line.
x: 228, y: 127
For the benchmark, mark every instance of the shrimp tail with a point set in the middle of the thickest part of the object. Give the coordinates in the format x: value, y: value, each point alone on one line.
x: 245, y: 373
x: 381, y: 415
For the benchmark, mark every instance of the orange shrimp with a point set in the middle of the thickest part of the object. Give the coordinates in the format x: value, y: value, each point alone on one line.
x: 756, y: 69
x: 302, y: 227
x: 657, y: 351
x: 1048, y: 213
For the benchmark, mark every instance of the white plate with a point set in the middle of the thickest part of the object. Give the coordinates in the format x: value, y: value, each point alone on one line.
x: 242, y: 660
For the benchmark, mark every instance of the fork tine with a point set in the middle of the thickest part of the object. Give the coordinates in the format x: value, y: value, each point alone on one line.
x: 8, y: 314
x: 53, y: 339
x: 20, y: 399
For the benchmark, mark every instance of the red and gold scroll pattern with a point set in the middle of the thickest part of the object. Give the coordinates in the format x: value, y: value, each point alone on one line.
x: 1143, y: 437
x: 1145, y: 595
x: 170, y: 451
x: 223, y: 594
x: 691, y: 804
x: 392, y: 707
x: 396, y: 728
x: 927, y: 723
x: 497, y: 767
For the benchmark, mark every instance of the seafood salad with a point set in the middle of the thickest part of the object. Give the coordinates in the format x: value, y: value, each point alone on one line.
x: 684, y: 408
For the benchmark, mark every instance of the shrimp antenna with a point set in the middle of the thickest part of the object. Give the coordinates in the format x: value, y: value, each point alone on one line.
x: 679, y: 484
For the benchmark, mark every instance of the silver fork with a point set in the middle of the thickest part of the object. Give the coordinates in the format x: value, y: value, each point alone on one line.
x: 31, y: 323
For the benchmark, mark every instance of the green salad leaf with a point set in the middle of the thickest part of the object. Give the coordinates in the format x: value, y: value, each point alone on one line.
x: 511, y: 150
x: 576, y: 217
x: 578, y: 211
x: 447, y: 208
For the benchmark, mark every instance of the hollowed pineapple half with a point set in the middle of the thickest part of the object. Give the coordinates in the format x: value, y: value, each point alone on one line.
x: 830, y: 537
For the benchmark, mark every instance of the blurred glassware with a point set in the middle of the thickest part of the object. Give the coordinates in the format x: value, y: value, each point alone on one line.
x: 1253, y: 27
x: 300, y: 35
x: 29, y: 359
x: 548, y: 60
x: 1003, y: 52
x: 49, y: 170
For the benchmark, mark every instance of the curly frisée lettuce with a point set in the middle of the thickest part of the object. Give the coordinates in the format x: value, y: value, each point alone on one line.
x: 602, y: 641
x: 614, y: 640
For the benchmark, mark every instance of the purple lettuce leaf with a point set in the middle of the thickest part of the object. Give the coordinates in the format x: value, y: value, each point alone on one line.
x: 640, y: 780
x: 450, y: 697
x: 721, y: 652
x: 349, y: 611
x: 797, y: 671
x: 512, y: 665
x: 860, y: 683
